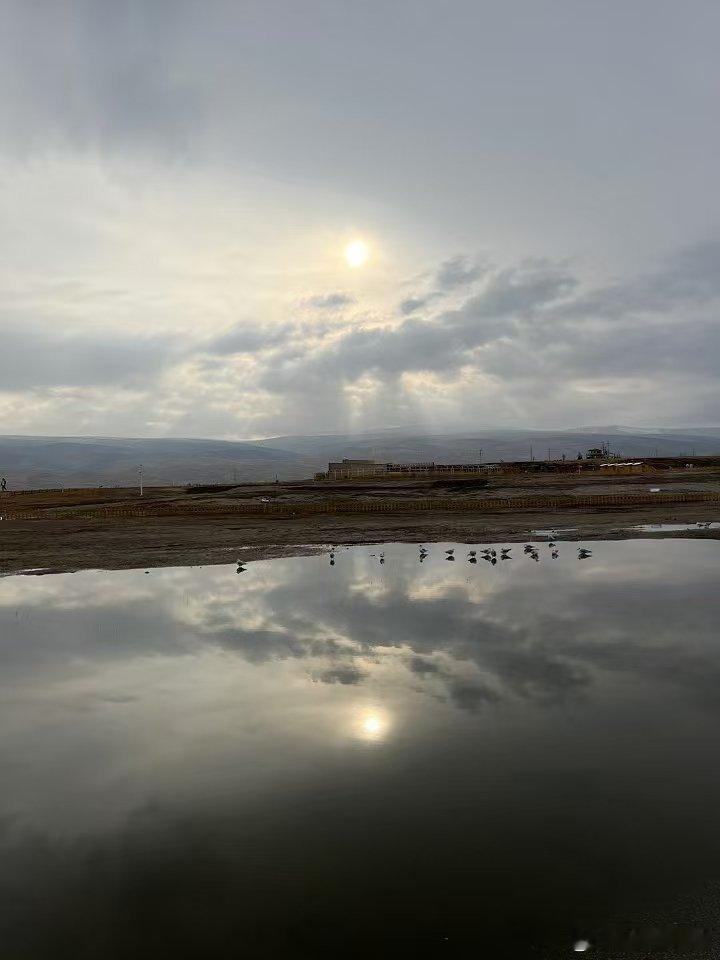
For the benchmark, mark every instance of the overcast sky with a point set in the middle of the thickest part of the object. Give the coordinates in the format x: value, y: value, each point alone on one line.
x: 535, y: 181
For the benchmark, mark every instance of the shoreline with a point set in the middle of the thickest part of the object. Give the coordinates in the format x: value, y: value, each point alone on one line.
x: 34, y: 547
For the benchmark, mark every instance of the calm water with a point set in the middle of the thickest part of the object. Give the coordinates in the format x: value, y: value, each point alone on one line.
x: 675, y: 527
x: 364, y: 759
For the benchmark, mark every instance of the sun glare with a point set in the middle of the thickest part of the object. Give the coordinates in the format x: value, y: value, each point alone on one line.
x: 356, y: 253
x: 372, y: 725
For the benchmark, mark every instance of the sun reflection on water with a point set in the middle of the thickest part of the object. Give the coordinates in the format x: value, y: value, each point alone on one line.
x: 372, y: 725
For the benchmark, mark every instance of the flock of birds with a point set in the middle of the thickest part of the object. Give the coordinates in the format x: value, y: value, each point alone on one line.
x: 489, y: 554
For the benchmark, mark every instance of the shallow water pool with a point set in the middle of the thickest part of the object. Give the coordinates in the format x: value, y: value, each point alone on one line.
x: 372, y: 757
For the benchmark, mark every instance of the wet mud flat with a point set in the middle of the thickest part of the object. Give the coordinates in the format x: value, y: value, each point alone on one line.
x: 61, y: 545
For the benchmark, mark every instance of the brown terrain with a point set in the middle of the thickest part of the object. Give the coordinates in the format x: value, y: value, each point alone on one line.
x: 110, y: 528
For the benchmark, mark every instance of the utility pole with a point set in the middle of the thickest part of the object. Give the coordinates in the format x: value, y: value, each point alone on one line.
x: 480, y: 460
x: 531, y: 454
x: 140, y: 474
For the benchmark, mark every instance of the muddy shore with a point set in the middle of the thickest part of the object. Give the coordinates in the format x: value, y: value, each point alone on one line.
x: 61, y: 545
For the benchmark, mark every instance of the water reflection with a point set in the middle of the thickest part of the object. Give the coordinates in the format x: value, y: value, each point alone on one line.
x: 310, y: 752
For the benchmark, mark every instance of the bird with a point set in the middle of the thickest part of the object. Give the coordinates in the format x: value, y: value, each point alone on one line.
x: 451, y: 550
x: 241, y: 569
x: 472, y: 553
x: 472, y: 559
x: 551, y: 544
x: 449, y: 557
x: 529, y: 547
x: 554, y: 554
x: 583, y: 554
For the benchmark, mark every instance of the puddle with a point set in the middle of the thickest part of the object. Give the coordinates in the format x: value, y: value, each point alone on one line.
x: 659, y: 527
x: 553, y: 533
x: 313, y: 755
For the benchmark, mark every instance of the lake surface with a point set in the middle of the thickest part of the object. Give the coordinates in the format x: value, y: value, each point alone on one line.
x: 365, y: 759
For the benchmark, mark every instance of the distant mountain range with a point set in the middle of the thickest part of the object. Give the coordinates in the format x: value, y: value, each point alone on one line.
x: 495, y: 445
x: 93, y: 461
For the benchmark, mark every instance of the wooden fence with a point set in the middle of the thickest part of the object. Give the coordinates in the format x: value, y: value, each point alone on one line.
x: 287, y: 509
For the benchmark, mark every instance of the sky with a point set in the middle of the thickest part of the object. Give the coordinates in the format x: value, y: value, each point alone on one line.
x: 534, y: 183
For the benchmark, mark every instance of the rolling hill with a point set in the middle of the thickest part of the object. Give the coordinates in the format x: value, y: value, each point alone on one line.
x: 29, y: 462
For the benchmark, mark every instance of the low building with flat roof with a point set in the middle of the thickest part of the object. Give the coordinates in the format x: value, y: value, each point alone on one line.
x: 346, y: 469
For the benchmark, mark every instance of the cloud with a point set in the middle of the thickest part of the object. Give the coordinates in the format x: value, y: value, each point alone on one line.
x: 422, y: 666
x: 246, y: 338
x: 344, y: 674
x: 171, y: 169
x: 530, y: 341
x: 451, y: 276
x: 331, y: 301
x: 412, y: 304
x: 458, y: 272
x: 443, y: 343
x: 31, y: 358
x: 470, y: 694
x: 531, y: 325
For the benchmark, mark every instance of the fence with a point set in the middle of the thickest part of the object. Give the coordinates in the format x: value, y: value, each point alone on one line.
x: 477, y: 504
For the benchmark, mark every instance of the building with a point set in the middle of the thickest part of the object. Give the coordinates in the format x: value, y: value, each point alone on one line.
x: 349, y: 469
x: 357, y: 469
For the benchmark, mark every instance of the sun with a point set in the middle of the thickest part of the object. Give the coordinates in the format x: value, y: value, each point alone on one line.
x: 356, y: 253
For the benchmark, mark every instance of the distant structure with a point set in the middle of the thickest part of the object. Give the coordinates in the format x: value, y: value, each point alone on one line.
x: 354, y: 469
x: 599, y: 453
x: 598, y: 460
x: 347, y: 469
